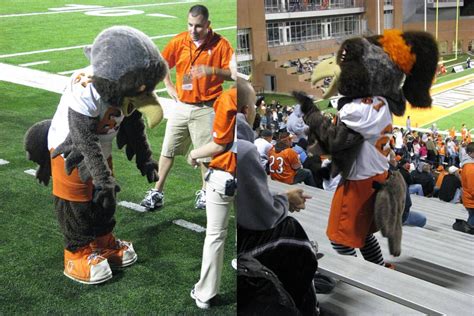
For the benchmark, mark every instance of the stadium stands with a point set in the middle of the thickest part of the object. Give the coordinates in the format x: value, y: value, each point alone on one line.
x: 433, y: 275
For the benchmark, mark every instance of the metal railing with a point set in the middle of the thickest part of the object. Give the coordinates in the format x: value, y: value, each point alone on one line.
x: 303, y: 5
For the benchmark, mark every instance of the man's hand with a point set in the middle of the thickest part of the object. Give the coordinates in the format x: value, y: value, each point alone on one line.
x: 171, y: 89
x: 201, y: 71
x: 297, y: 199
x: 192, y: 161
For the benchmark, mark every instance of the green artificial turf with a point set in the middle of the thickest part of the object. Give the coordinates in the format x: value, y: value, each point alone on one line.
x: 31, y: 245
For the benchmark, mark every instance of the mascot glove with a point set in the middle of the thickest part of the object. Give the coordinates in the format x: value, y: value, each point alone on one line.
x: 105, y: 194
x: 150, y: 169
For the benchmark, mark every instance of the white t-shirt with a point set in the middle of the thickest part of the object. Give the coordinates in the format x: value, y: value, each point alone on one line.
x: 81, y: 96
x: 263, y: 148
x: 398, y: 139
x: 373, y: 120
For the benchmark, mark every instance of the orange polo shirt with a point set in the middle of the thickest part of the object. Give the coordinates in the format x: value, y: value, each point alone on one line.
x: 223, y: 130
x: 280, y: 165
x: 182, y: 53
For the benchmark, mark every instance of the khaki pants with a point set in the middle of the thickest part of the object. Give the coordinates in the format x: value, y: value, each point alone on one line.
x: 189, y: 124
x: 217, y: 211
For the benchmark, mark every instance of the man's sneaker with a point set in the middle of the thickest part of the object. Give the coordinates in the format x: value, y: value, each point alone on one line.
x: 233, y: 263
x: 200, y: 304
x: 119, y: 253
x: 200, y: 202
x: 153, y: 199
x: 86, y: 266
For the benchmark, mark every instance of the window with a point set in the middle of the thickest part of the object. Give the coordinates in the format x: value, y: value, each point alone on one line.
x: 243, y: 42
x: 273, y: 34
x: 272, y: 6
x: 388, y: 19
x: 313, y: 29
x: 388, y: 2
x: 245, y: 67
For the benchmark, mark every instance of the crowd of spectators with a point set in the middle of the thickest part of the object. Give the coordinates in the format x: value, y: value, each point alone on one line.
x: 430, y: 161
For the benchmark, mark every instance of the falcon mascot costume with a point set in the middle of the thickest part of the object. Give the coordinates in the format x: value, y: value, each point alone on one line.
x: 100, y: 102
x: 375, y: 76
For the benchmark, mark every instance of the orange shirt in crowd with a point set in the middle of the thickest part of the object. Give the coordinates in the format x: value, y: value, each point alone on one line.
x: 452, y: 133
x: 223, y: 130
x: 281, y: 165
x: 467, y: 180
x: 182, y: 53
x: 442, y: 150
x: 463, y: 133
x: 440, y: 178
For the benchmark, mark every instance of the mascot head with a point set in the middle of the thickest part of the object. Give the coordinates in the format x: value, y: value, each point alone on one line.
x: 398, y: 66
x: 127, y: 66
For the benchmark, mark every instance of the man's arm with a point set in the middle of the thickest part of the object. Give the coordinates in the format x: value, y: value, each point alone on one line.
x: 204, y: 71
x: 208, y: 150
x: 170, y: 87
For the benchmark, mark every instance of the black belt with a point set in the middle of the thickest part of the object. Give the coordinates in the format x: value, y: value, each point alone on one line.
x: 209, y: 103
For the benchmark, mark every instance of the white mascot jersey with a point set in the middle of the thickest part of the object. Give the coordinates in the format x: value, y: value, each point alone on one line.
x: 371, y: 118
x: 81, y: 96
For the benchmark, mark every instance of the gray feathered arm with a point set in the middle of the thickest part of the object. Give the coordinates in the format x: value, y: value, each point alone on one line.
x: 337, y: 140
x: 36, y: 147
x: 132, y: 135
x: 83, y: 134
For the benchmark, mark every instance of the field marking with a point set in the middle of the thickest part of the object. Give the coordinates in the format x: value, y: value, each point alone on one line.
x: 189, y: 225
x: 162, y: 15
x: 33, y: 78
x: 82, y: 46
x: 4, y: 162
x: 96, y: 9
x: 31, y: 172
x: 56, y: 83
x: 132, y: 206
x: 34, y: 63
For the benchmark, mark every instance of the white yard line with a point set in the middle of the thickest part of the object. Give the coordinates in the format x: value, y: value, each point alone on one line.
x: 82, y: 46
x: 4, y: 162
x: 67, y: 72
x: 33, y: 78
x: 56, y: 83
x: 189, y: 225
x: 31, y: 172
x: 34, y: 63
x: 97, y: 9
x: 132, y: 206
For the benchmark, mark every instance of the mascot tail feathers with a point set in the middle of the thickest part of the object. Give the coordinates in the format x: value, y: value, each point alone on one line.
x: 388, y: 210
x: 307, y: 104
x: 36, y: 146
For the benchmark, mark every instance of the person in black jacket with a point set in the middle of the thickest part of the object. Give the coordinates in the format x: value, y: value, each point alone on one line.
x: 424, y: 177
x: 450, y: 190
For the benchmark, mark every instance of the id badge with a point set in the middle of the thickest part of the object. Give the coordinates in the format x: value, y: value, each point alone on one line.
x: 187, y: 82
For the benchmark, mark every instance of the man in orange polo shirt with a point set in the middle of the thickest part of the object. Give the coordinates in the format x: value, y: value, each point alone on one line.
x: 202, y: 59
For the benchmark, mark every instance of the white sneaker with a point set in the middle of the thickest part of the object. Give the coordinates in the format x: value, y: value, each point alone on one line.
x: 233, y: 263
x: 200, y: 304
x: 153, y: 199
x: 200, y: 202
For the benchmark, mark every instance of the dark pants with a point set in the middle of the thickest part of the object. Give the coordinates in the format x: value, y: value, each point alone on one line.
x: 304, y: 175
x: 82, y: 222
x: 287, y: 251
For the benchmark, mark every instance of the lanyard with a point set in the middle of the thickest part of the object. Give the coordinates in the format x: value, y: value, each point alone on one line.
x: 203, y: 46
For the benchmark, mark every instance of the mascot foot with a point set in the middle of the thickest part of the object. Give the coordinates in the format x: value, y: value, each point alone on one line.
x: 119, y: 253
x: 86, y: 266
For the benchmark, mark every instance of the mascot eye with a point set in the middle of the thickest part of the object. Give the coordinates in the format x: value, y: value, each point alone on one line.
x: 343, y: 55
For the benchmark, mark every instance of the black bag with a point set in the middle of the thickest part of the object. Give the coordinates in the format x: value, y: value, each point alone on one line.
x: 260, y: 292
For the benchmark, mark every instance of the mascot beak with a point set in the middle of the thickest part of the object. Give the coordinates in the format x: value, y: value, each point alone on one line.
x: 327, y: 68
x: 147, y: 104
